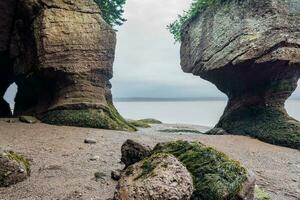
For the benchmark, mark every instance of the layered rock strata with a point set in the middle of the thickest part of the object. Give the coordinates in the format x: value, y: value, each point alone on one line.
x: 60, y: 53
x: 251, y: 51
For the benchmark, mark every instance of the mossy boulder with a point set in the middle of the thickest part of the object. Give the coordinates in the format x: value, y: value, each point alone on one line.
x: 139, y: 124
x: 144, y: 123
x: 158, y: 177
x: 92, y: 118
x: 14, y: 168
x: 215, y: 175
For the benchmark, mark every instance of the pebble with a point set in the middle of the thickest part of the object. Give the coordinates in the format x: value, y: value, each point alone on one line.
x: 116, y: 175
x: 99, y: 176
x: 28, y: 119
x: 94, y: 158
x: 90, y: 141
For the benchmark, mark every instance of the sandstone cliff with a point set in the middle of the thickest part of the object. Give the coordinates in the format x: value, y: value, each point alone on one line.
x: 60, y: 54
x: 251, y: 51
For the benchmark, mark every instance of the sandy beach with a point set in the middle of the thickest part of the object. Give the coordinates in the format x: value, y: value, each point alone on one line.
x: 62, y: 169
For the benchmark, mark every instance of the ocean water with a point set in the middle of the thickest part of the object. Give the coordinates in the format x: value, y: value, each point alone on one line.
x: 206, y: 113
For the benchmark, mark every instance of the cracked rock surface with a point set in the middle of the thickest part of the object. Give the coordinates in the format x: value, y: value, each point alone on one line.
x: 60, y: 53
x: 251, y: 51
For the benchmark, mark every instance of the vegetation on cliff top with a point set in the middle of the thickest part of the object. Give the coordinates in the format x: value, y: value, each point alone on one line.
x: 194, y: 10
x: 215, y: 175
x: 112, y: 11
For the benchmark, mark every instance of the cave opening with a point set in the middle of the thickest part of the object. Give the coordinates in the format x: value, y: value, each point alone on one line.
x: 10, y: 96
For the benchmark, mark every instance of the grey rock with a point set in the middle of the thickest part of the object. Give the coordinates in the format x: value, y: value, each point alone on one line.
x: 160, y: 177
x: 90, y: 141
x: 28, y: 119
x: 94, y: 158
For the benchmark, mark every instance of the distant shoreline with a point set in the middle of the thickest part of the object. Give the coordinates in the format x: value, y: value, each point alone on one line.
x: 146, y: 99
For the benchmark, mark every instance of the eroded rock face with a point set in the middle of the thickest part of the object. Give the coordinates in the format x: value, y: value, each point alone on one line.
x: 60, y: 54
x: 14, y: 168
x: 159, y: 177
x: 251, y: 51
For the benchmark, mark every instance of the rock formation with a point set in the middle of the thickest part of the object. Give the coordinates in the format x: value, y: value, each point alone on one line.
x: 14, y: 168
x: 215, y: 175
x: 159, y: 177
x: 60, y: 54
x: 251, y: 51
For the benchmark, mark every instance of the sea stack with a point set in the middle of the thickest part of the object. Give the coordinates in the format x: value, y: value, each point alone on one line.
x: 60, y: 54
x: 251, y: 51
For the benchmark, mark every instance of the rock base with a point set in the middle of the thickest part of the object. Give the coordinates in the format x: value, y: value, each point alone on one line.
x: 92, y: 118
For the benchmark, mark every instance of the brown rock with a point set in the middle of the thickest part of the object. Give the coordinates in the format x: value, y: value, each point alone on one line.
x: 60, y: 54
x: 251, y: 51
x: 160, y: 177
x: 133, y: 152
x: 14, y: 168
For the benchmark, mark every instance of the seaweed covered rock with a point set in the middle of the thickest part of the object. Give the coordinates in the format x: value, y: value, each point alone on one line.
x: 251, y: 51
x: 159, y: 177
x: 14, y: 168
x: 133, y: 152
x: 215, y: 175
x: 60, y: 54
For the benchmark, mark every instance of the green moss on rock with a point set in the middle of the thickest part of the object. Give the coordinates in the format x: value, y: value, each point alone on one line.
x: 260, y: 194
x: 92, y: 118
x: 138, y: 123
x: 215, y: 175
x: 20, y: 160
x: 267, y: 124
x: 180, y: 131
x: 150, y: 121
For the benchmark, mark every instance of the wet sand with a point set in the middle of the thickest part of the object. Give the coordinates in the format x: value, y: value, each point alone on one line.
x: 62, y: 169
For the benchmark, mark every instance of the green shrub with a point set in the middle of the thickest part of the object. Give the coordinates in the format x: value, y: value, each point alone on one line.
x: 196, y: 7
x: 112, y: 11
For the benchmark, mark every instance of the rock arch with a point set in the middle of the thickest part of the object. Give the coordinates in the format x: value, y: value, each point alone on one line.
x: 60, y: 54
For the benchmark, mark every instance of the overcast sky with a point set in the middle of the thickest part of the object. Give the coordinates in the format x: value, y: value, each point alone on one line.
x: 147, y: 60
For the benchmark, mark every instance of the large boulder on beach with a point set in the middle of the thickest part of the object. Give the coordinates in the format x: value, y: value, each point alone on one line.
x: 60, y: 54
x: 251, y: 51
x: 133, y: 152
x: 14, y: 168
x: 159, y: 177
x: 215, y: 175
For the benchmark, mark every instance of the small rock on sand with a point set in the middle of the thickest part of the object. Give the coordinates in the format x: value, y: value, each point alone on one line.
x: 90, y: 141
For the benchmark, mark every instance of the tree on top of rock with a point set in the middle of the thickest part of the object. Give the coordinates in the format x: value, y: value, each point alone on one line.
x: 112, y: 11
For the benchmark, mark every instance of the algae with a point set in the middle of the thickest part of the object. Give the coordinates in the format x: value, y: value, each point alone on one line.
x: 20, y: 160
x: 260, y: 194
x: 139, y: 124
x: 92, y: 118
x: 144, y: 123
x: 267, y: 124
x: 180, y: 131
x: 215, y: 175
x: 150, y: 121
